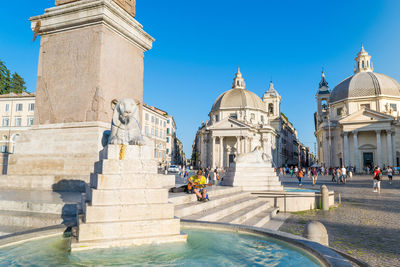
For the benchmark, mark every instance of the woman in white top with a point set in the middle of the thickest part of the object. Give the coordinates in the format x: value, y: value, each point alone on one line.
x: 390, y: 174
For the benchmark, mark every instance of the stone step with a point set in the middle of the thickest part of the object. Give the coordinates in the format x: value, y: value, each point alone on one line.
x: 252, y: 168
x: 214, y: 191
x: 261, y: 218
x: 128, y: 212
x: 115, y: 166
x: 33, y: 219
x: 132, y: 180
x: 126, y: 230
x: 247, y: 213
x: 254, y: 173
x: 65, y: 203
x: 125, y: 242
x: 276, y: 222
x: 48, y: 208
x: 45, y: 182
x: 222, y: 211
x: 263, y: 188
x: 128, y: 196
x: 185, y: 210
x: 13, y: 229
x: 250, y: 182
x: 131, y: 152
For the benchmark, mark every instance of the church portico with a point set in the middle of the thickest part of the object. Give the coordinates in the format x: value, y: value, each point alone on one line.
x: 239, y: 122
x: 363, y: 110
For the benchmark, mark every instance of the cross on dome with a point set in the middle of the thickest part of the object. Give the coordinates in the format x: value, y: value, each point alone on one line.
x: 238, y: 81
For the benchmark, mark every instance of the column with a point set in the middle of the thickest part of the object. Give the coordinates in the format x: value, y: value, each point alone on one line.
x: 378, y: 148
x: 238, y: 145
x: 346, y: 149
x: 245, y: 145
x: 394, y: 148
x: 221, y: 143
x: 213, y: 151
x: 389, y: 146
x: 355, y: 142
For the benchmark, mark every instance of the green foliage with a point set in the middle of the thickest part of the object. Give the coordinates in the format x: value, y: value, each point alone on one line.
x: 14, y: 83
x: 17, y: 84
x: 5, y: 79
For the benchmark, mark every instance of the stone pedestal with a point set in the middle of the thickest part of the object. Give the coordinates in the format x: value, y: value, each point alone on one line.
x: 91, y: 52
x: 252, y: 173
x: 128, y: 202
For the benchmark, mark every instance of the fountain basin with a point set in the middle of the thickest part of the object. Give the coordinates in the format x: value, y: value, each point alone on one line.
x: 294, y: 199
x: 208, y: 244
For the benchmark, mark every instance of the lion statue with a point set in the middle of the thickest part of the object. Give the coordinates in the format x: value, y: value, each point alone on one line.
x: 125, y: 127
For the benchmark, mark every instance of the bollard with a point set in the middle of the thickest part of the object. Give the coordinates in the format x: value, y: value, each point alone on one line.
x: 316, y: 231
x: 324, y: 198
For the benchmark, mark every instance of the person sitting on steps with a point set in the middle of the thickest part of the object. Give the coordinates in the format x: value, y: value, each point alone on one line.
x: 198, y: 183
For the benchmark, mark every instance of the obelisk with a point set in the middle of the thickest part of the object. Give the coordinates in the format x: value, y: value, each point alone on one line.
x: 91, y: 52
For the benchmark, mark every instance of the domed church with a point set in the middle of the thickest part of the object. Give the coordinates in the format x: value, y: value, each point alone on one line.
x: 356, y: 123
x: 239, y: 122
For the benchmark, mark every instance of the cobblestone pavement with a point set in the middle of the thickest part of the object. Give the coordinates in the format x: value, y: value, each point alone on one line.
x: 366, y: 225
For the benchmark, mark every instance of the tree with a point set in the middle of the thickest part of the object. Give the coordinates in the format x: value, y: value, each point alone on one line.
x: 5, y: 80
x: 17, y: 84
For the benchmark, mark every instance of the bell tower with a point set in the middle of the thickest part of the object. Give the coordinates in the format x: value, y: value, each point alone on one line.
x: 322, y: 98
x: 272, y: 101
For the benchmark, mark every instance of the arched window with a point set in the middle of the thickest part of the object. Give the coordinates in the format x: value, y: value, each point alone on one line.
x: 363, y: 64
x: 271, y: 108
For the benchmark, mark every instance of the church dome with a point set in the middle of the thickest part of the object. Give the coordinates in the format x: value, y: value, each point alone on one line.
x: 238, y: 97
x: 365, y: 82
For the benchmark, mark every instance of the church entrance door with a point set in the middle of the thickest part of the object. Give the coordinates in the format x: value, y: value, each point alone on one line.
x: 231, y: 158
x: 368, y: 159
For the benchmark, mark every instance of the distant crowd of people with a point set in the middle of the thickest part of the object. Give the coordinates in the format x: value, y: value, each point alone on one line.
x: 340, y: 175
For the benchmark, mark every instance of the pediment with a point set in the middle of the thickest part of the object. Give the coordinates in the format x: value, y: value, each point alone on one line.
x: 228, y: 123
x: 367, y: 147
x: 366, y: 115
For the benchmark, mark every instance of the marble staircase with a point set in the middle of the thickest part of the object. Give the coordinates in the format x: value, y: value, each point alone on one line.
x: 227, y: 205
x: 127, y: 203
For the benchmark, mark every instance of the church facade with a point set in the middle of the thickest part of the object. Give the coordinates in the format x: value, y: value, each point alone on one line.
x: 239, y: 121
x: 356, y: 124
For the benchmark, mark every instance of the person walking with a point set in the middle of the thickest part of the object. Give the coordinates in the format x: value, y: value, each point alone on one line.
x: 215, y: 177
x: 377, y: 174
x: 344, y: 174
x: 338, y: 175
x: 300, y: 175
x: 314, y: 176
x: 390, y: 174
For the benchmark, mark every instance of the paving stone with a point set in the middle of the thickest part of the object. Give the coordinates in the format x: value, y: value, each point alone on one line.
x: 365, y: 225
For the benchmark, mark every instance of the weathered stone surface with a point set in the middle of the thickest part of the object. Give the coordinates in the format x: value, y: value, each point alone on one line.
x: 129, y: 181
x: 108, y: 46
x: 129, y: 196
x: 58, y: 149
x: 129, y: 212
x: 62, y: 2
x: 316, y: 231
x: 127, y: 204
x: 128, y: 5
x: 129, y: 229
x: 253, y: 172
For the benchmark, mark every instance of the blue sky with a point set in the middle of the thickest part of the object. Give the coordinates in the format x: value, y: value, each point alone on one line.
x: 199, y: 45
